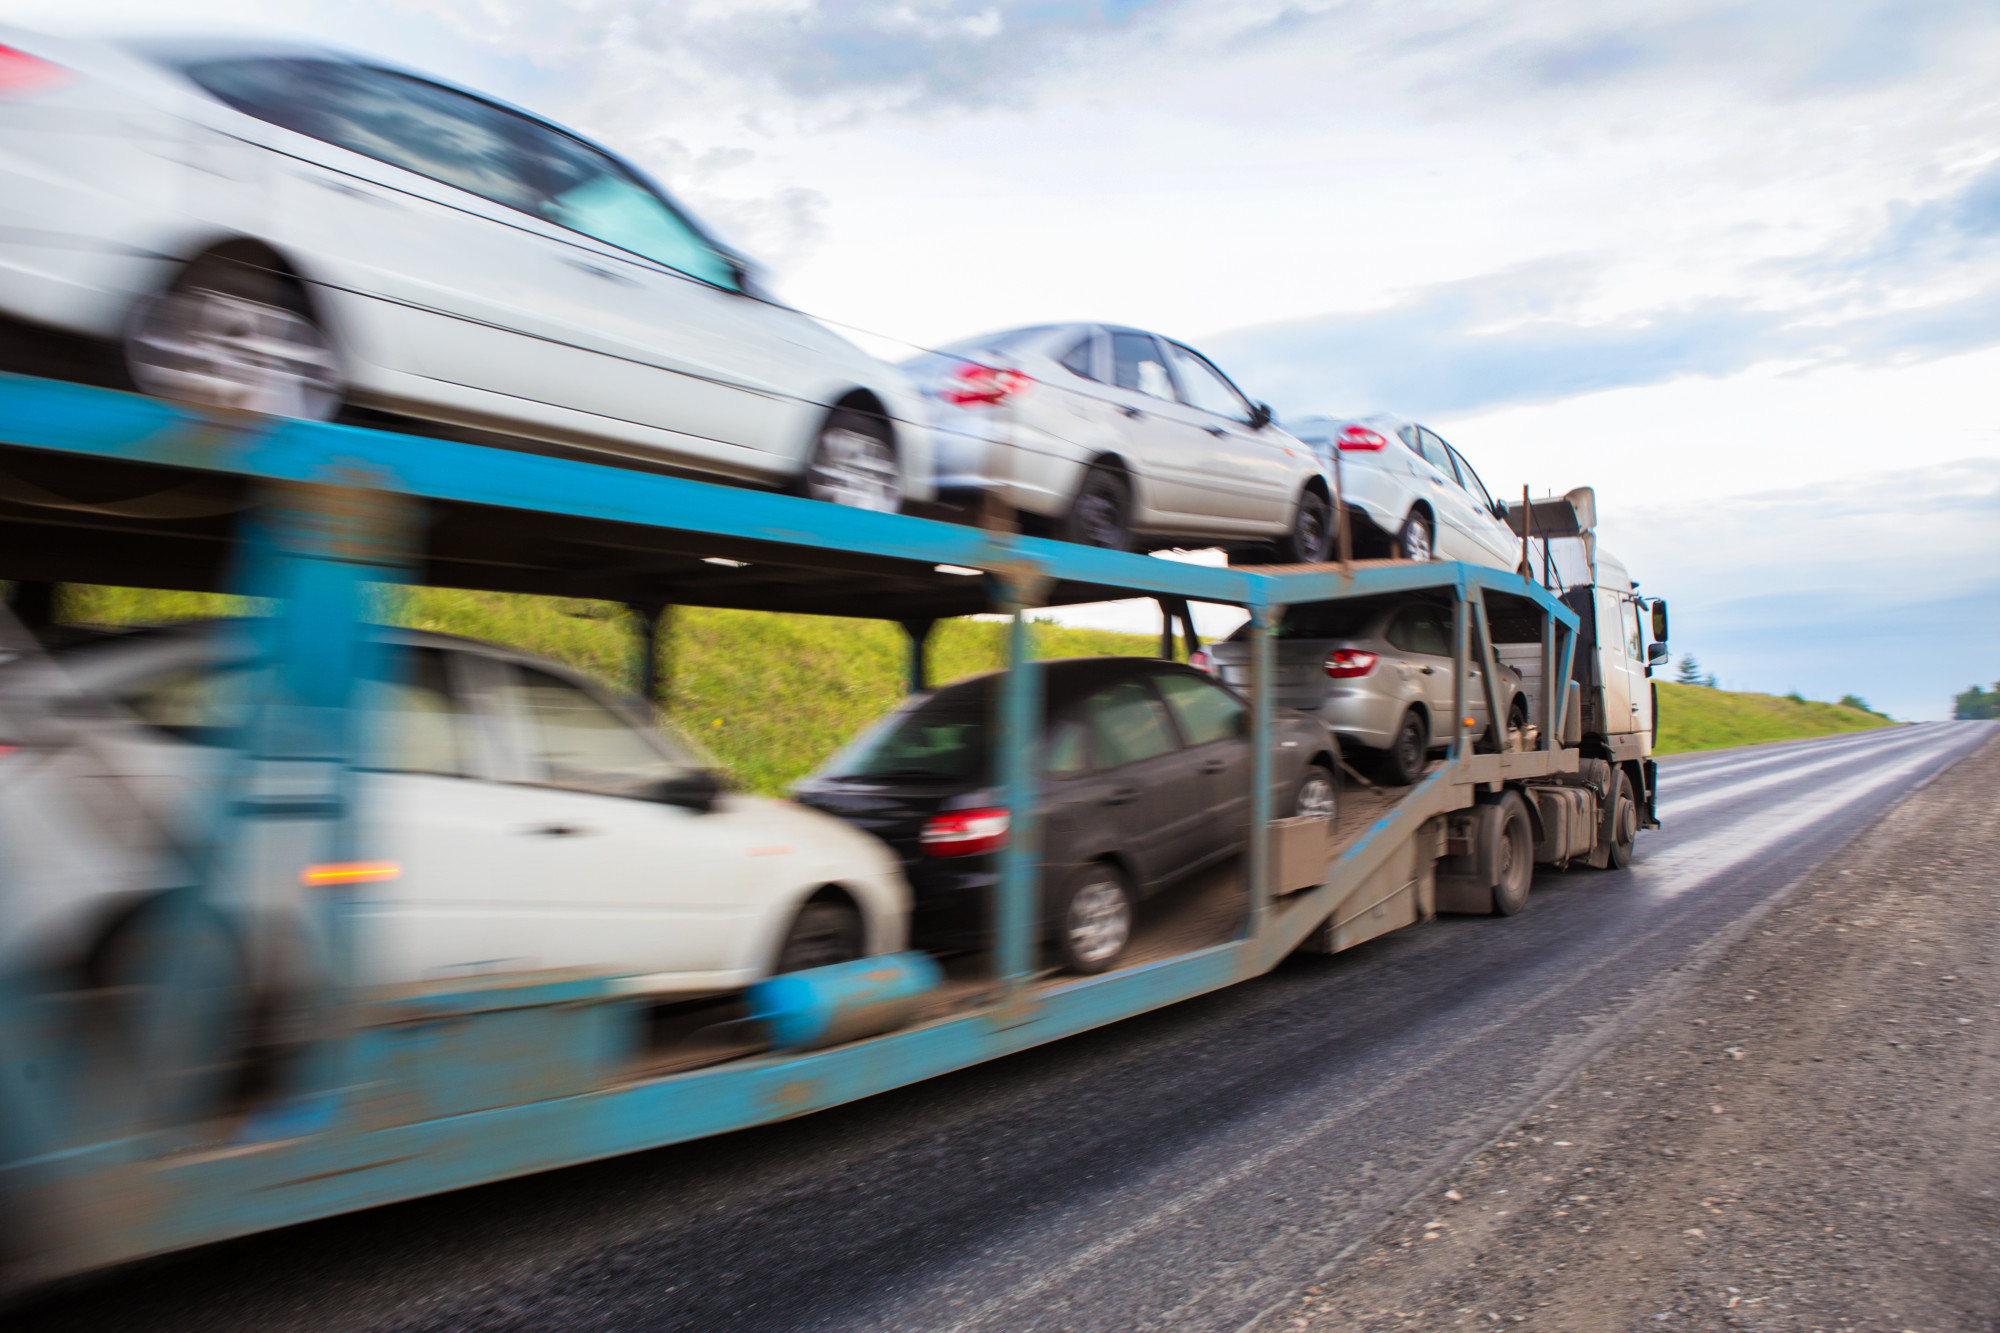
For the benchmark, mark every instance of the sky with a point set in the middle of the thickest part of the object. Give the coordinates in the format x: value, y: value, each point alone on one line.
x: 1735, y: 265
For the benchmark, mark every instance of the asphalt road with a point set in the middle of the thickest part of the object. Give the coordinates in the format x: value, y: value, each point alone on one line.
x: 1189, y: 1169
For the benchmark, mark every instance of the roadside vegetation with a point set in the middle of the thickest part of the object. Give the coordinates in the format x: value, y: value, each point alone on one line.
x: 1977, y: 703
x: 767, y: 696
x: 1701, y: 717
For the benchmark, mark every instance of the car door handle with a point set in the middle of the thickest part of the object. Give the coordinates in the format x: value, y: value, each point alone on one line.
x: 351, y: 191
x: 558, y: 830
x: 1133, y: 413
x: 1122, y: 796
x: 1217, y: 431
x: 598, y: 271
x: 1215, y: 766
x: 1428, y: 671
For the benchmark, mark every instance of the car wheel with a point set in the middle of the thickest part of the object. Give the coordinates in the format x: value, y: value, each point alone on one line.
x: 1403, y: 763
x: 1517, y: 724
x: 854, y: 464
x: 822, y: 934
x: 1311, y: 536
x: 1317, y: 795
x: 1513, y: 859
x: 1417, y: 540
x: 1095, y: 923
x: 230, y: 335
x: 1101, y: 514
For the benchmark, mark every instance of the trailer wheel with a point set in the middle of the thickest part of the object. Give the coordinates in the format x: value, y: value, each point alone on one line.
x: 1621, y: 822
x: 1095, y: 922
x: 1403, y: 762
x: 822, y: 934
x: 1513, y: 856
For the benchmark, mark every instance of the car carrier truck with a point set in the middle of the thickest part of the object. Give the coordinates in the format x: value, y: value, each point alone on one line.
x: 374, y: 1094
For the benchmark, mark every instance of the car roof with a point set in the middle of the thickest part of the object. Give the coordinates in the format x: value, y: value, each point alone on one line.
x: 1066, y: 679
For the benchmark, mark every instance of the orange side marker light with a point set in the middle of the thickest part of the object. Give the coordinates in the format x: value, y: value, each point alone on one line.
x: 348, y: 872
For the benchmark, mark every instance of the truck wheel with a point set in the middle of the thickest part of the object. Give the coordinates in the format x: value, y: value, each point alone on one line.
x: 1417, y: 540
x: 1403, y: 762
x: 1513, y: 856
x: 822, y: 934
x: 1621, y: 822
x: 1095, y: 922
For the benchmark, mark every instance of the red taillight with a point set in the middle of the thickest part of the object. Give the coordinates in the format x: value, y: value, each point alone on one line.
x: 21, y: 73
x: 1201, y: 661
x: 1360, y: 437
x: 965, y: 832
x: 1343, y: 663
x: 974, y: 385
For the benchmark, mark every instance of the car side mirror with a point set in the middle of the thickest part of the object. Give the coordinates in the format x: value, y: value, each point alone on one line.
x: 695, y: 789
x: 1660, y: 621
x: 1260, y: 416
x: 1656, y: 653
x: 1500, y: 510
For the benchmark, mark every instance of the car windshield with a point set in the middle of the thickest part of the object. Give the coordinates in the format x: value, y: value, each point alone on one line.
x: 942, y: 739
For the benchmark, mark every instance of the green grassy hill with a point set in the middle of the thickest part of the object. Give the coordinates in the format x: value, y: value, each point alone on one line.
x: 769, y: 696
x: 1694, y: 717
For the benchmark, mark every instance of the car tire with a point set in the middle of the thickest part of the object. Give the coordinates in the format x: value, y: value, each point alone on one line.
x: 854, y: 464
x: 1517, y: 721
x: 1094, y: 918
x: 232, y: 335
x: 821, y: 935
x: 1101, y: 513
x: 1316, y: 793
x: 1512, y: 856
x: 1403, y: 762
x: 1311, y: 537
x: 1417, y: 538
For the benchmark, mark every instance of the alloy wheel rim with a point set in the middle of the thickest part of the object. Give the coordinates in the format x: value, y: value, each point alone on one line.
x: 1417, y: 541
x: 857, y: 470
x: 214, y: 350
x: 1100, y: 919
x: 1316, y: 797
x: 1312, y: 526
x: 1097, y: 516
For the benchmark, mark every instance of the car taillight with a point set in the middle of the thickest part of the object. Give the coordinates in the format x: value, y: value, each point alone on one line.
x: 965, y: 832
x: 22, y: 74
x: 1201, y: 661
x: 1343, y: 663
x: 974, y: 385
x: 1360, y: 437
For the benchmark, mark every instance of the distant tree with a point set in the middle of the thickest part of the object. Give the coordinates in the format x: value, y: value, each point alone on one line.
x: 1796, y: 697
x: 1709, y: 680
x: 1978, y: 703
x: 1856, y: 701
x: 1689, y: 672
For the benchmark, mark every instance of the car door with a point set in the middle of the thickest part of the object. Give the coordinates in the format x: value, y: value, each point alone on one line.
x: 1213, y: 722
x: 1167, y: 453
x: 1421, y: 635
x: 1143, y: 782
x: 1448, y: 500
x: 1494, y: 537
x: 1249, y: 473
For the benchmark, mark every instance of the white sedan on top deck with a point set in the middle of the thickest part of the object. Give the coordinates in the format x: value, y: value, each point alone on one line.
x: 1410, y: 494
x: 293, y: 230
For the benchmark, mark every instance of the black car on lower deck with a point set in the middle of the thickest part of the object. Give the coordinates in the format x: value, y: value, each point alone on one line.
x: 1146, y: 772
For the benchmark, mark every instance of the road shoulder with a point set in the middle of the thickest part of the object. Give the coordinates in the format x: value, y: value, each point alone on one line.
x: 1807, y: 1138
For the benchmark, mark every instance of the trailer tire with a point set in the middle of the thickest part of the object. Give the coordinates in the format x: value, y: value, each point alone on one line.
x: 1512, y: 855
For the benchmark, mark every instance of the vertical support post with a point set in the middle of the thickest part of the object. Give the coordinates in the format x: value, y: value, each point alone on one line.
x: 1527, y: 526
x: 1166, y: 606
x: 1262, y: 622
x: 1460, y: 627
x: 917, y: 675
x: 1489, y: 667
x: 33, y: 603
x: 1340, y: 514
x: 1189, y: 639
x: 653, y: 622
x: 1551, y: 688
x: 1017, y: 760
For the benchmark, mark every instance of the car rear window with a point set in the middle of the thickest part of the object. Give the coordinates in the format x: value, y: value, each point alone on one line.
x: 1350, y: 618
x: 942, y: 739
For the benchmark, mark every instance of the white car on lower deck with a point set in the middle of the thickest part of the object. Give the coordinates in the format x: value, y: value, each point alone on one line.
x: 294, y: 230
x: 1410, y: 494
x: 533, y: 822
x: 1116, y: 437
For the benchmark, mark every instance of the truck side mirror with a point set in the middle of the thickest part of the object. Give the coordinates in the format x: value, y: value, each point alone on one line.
x: 1660, y: 621
x: 1656, y: 653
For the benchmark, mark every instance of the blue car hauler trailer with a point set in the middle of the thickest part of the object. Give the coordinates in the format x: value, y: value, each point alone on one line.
x: 402, y: 1092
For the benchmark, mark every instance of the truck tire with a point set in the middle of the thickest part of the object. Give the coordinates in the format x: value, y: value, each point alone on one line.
x: 1511, y: 855
x: 1621, y: 823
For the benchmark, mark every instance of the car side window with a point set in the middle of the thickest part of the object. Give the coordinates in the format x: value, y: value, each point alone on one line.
x: 1136, y: 364
x: 587, y: 191
x: 1068, y: 750
x: 1203, y: 386
x: 1205, y: 712
x: 445, y: 135
x: 579, y: 742
x: 1420, y: 629
x: 1081, y: 360
x: 1129, y: 723
x: 1434, y: 452
x: 415, y: 723
x: 1470, y: 479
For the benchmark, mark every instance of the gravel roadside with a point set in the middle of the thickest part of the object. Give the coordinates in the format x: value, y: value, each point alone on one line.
x: 1808, y: 1138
